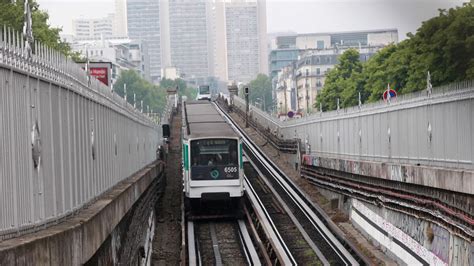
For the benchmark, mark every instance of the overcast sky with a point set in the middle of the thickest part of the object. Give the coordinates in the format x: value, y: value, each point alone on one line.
x: 302, y: 16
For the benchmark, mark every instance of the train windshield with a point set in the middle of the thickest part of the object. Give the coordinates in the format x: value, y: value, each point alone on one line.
x: 204, y: 90
x: 214, y: 159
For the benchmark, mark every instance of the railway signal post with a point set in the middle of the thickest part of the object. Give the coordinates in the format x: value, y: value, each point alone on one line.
x: 246, y: 92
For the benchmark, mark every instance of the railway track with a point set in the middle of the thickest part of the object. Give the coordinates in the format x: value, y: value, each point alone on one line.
x: 220, y: 243
x: 253, y: 241
x: 321, y: 234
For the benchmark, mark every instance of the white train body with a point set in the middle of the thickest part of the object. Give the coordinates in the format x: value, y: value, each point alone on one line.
x: 204, y: 93
x: 212, y: 154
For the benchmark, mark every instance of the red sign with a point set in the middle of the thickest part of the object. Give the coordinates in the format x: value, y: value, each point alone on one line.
x: 100, y: 73
x: 393, y: 94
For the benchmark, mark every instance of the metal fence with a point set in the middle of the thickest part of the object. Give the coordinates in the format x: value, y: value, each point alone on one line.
x: 418, y: 128
x: 64, y: 139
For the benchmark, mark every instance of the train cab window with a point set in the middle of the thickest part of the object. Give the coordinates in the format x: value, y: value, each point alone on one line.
x: 214, y: 159
x: 204, y: 90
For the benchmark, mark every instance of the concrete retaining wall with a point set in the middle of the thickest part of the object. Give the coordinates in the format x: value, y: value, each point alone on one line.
x: 421, y: 175
x: 76, y: 240
x: 409, y: 240
x: 419, y: 140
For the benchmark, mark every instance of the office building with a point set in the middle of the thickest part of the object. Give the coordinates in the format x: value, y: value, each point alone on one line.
x: 93, y: 28
x: 238, y: 39
x: 120, y: 19
x: 188, y: 35
x: 143, y: 24
x: 242, y: 40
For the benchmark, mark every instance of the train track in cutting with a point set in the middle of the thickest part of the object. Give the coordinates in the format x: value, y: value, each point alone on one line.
x: 253, y: 240
x: 331, y: 246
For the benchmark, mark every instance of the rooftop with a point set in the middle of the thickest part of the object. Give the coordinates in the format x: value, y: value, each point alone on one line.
x: 203, y: 120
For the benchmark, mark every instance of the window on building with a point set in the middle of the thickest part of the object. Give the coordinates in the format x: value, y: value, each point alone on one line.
x: 318, y: 71
x: 318, y: 83
x: 307, y: 72
x: 320, y: 44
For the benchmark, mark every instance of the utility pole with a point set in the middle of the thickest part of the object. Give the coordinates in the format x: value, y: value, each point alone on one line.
x: 307, y: 93
x: 429, y: 87
x: 125, y: 92
x: 27, y: 29
x: 246, y: 92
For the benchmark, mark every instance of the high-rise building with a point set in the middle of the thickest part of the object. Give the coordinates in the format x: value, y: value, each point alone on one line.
x: 239, y: 39
x: 218, y: 58
x: 143, y: 22
x: 225, y: 39
x: 120, y: 18
x: 262, y: 36
x: 93, y: 28
x: 188, y: 35
x: 242, y: 40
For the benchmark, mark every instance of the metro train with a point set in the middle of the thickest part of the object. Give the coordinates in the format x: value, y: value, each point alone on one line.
x: 212, y: 159
x: 204, y: 93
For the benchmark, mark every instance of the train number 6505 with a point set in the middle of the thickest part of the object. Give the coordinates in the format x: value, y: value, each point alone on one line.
x: 230, y: 169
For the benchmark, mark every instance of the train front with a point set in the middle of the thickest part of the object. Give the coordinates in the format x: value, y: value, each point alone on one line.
x: 215, y: 173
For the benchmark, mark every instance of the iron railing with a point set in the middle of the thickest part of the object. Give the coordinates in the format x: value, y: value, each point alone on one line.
x: 418, y: 128
x: 65, y: 138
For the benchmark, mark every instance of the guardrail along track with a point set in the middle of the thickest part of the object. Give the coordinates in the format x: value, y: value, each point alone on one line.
x: 291, y: 234
x: 334, y: 248
x: 283, y: 145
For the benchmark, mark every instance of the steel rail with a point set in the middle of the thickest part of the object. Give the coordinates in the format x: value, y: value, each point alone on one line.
x: 281, y: 249
x: 215, y: 245
x: 298, y: 225
x: 194, y: 258
x: 247, y: 245
x: 194, y: 253
x: 296, y: 195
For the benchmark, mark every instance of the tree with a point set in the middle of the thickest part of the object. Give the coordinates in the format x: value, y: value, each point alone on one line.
x: 344, y: 82
x: 11, y: 15
x: 443, y: 45
x: 260, y: 90
x: 389, y: 65
x: 151, y: 95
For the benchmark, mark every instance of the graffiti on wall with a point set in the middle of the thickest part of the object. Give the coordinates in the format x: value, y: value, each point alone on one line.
x: 396, y: 237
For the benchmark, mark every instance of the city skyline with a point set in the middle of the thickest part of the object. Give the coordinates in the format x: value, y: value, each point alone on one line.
x: 304, y: 16
x: 216, y: 32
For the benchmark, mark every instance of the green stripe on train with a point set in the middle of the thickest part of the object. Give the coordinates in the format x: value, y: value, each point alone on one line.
x: 241, y: 160
x: 185, y: 157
